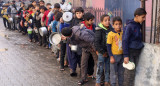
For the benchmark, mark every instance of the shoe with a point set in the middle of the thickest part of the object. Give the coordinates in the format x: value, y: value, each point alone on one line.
x: 73, y: 74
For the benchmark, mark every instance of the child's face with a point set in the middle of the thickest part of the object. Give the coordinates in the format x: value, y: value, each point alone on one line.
x: 30, y: 8
x: 90, y: 22
x: 34, y: 3
x: 27, y: 14
x: 37, y: 8
x: 117, y: 26
x: 141, y: 18
x: 41, y: 4
x: 48, y: 7
x: 41, y: 10
x: 106, y: 21
x: 79, y: 15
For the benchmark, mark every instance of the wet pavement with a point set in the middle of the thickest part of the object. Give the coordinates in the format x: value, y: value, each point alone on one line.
x: 23, y: 63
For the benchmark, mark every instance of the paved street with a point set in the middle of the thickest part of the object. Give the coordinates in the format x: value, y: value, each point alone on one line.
x: 26, y: 64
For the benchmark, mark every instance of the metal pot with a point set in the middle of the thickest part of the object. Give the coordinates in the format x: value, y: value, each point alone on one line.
x: 66, y: 7
x: 55, y: 38
x: 74, y: 47
x: 67, y: 16
x: 43, y: 31
x: 10, y: 20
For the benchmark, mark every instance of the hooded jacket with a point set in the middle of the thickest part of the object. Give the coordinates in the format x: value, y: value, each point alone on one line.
x: 132, y: 37
x: 101, y: 37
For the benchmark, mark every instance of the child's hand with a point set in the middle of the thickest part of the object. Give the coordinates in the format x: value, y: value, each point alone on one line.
x: 105, y: 54
x: 63, y: 37
x: 97, y: 52
x: 112, y: 60
x: 48, y: 28
x: 126, y: 60
x: 61, y: 20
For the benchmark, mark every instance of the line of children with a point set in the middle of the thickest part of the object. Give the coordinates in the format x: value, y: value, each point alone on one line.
x: 107, y: 45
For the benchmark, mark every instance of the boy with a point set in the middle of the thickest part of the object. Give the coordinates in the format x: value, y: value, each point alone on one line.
x: 45, y: 19
x: 86, y: 52
x: 114, y: 47
x: 51, y: 17
x: 132, y: 43
x: 39, y: 17
x: 5, y: 17
x: 28, y: 24
x: 74, y: 57
x: 101, y: 49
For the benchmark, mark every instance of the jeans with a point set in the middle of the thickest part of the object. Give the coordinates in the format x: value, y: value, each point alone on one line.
x: 102, y: 67
x: 117, y: 71
x: 129, y: 75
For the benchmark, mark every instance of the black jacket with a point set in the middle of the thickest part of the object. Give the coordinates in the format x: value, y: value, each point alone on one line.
x: 101, y: 39
x: 36, y: 23
x: 75, y: 21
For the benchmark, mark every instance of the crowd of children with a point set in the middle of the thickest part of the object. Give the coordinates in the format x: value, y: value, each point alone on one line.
x: 101, y: 50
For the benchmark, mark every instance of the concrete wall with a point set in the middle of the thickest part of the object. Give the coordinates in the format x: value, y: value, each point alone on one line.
x: 148, y: 70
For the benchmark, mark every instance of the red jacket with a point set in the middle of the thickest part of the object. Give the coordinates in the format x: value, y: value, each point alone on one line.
x: 45, y: 17
x: 90, y: 27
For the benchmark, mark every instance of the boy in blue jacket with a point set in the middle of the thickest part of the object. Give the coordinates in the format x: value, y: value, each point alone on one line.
x: 132, y: 43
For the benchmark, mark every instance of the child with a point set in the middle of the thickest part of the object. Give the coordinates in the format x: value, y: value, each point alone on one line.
x: 101, y: 49
x: 51, y: 13
x: 132, y: 43
x: 37, y: 23
x: 114, y: 47
x: 42, y: 10
x: 5, y: 17
x: 28, y: 24
x: 86, y: 52
x: 45, y: 19
x: 74, y: 56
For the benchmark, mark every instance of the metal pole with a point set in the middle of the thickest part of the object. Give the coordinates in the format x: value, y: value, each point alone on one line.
x: 143, y: 24
x: 155, y: 22
x: 151, y: 23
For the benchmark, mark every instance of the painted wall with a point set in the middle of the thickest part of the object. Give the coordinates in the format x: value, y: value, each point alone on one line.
x: 98, y: 3
x: 149, y: 11
x: 148, y: 70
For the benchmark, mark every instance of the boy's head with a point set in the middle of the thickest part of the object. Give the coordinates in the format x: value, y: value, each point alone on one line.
x: 42, y: 9
x: 27, y: 14
x: 57, y: 6
x: 117, y: 23
x: 105, y: 20
x: 140, y: 15
x: 79, y: 12
x: 48, y: 6
x: 37, y: 7
x: 42, y: 3
x: 58, y: 16
x: 30, y: 7
x: 67, y: 32
x: 88, y: 18
x: 33, y: 2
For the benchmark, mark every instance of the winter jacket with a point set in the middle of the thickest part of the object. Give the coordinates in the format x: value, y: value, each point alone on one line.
x: 36, y: 20
x: 54, y: 27
x: 75, y: 21
x: 92, y: 27
x: 51, y: 18
x: 132, y: 37
x: 82, y: 37
x: 63, y: 25
x: 101, y: 38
